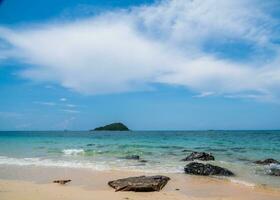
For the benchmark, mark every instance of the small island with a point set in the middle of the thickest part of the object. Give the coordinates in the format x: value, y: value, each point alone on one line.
x: 112, y: 127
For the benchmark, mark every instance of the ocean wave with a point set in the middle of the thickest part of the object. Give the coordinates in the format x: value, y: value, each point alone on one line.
x: 73, y: 151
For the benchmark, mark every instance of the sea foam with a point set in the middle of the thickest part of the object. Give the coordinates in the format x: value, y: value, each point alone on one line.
x: 83, y: 164
x: 241, y: 182
x: 73, y: 151
x: 52, y: 163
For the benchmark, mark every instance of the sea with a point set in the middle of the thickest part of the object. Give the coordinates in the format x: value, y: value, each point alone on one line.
x: 162, y: 151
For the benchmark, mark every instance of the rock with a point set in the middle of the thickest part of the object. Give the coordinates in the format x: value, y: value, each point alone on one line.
x: 186, y: 150
x: 140, y: 183
x: 132, y: 157
x: 62, y: 182
x: 143, y: 161
x: 199, y: 156
x: 206, y: 170
x: 274, y: 172
x: 267, y: 161
x: 90, y: 145
x: 244, y: 160
x: 112, y: 127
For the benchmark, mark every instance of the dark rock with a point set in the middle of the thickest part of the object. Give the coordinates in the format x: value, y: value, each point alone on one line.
x: 112, y: 127
x: 140, y: 183
x: 62, y: 182
x: 267, y: 161
x: 206, y: 170
x: 132, y: 157
x: 199, y: 156
x: 143, y: 161
x: 274, y: 172
x: 186, y: 150
x: 244, y: 159
x: 90, y: 145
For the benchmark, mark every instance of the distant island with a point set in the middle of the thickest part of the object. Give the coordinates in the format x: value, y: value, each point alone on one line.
x: 112, y: 127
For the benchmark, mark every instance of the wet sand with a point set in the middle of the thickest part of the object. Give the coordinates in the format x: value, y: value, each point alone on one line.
x: 21, y: 182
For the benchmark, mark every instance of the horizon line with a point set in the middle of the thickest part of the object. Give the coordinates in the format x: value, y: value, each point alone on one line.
x: 89, y: 130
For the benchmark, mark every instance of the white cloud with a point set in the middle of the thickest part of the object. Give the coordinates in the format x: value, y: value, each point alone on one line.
x: 45, y: 103
x: 125, y: 51
x: 49, y: 87
x: 62, y: 105
x: 66, y: 123
x: 70, y: 111
x: 23, y: 126
x: 204, y: 94
x: 70, y: 105
x: 62, y: 99
x: 4, y: 114
x: 195, y: 21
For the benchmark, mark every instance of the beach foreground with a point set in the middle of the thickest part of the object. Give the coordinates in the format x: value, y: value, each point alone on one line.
x: 36, y: 183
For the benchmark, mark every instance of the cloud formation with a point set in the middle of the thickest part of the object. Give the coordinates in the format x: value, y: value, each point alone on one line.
x: 167, y: 42
x: 45, y: 103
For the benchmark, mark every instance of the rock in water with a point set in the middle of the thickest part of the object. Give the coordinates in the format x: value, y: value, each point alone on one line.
x: 199, y: 156
x: 140, y: 183
x: 206, y: 170
x: 132, y: 157
x: 267, y: 161
x: 186, y: 150
x: 112, y: 127
x: 62, y: 182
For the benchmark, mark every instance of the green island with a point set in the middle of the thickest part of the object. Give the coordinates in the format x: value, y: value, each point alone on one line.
x: 112, y: 127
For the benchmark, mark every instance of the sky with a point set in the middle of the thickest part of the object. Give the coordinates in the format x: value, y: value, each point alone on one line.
x: 151, y: 64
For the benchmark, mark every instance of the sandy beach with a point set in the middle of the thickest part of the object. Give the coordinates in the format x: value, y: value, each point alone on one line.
x: 36, y: 183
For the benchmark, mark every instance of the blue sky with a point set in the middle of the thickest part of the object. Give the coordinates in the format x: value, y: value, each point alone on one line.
x: 154, y: 65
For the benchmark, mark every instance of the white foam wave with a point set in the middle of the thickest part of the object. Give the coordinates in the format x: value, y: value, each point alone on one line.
x: 241, y: 182
x: 51, y: 163
x: 274, y: 166
x: 73, y: 151
x: 83, y: 164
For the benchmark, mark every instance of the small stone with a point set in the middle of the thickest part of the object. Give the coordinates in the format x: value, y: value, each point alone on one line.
x: 62, y: 182
x: 132, y: 157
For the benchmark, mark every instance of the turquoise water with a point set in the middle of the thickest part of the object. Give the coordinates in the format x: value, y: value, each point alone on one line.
x: 163, y: 150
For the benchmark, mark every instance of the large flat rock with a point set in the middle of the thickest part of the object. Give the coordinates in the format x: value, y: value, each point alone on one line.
x: 140, y: 183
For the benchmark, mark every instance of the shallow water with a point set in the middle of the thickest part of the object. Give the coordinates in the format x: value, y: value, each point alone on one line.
x: 235, y: 150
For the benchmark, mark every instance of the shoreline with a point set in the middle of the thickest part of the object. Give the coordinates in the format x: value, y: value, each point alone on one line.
x: 38, y: 181
x: 162, y: 152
